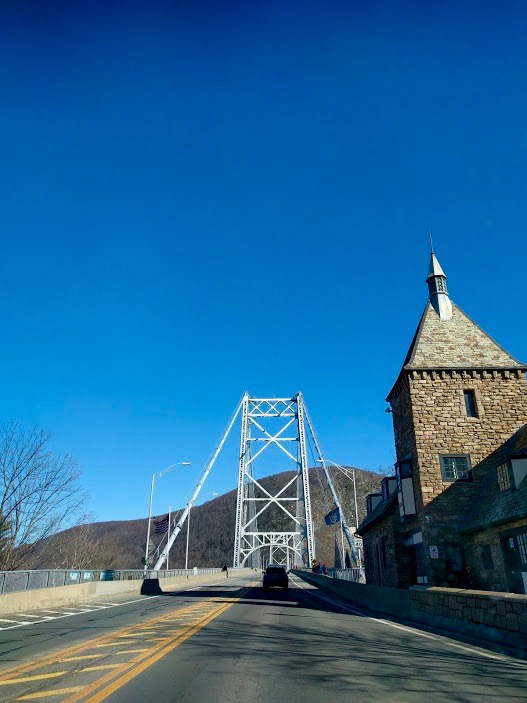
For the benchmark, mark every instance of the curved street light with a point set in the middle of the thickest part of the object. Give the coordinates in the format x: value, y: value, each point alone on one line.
x: 343, y: 522
x: 159, y: 474
x: 346, y: 473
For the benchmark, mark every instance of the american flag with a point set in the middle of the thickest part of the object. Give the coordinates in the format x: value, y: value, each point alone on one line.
x: 161, y: 525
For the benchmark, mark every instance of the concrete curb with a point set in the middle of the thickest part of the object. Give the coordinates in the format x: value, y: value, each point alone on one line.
x: 388, y: 601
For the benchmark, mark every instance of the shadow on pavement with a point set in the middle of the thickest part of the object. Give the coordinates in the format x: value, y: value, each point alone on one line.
x: 257, y: 595
x: 296, y: 638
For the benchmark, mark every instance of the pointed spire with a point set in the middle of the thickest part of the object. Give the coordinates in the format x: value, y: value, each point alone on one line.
x: 435, y: 268
x: 437, y: 289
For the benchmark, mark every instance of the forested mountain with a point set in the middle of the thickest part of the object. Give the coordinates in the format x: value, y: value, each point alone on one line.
x: 121, y: 544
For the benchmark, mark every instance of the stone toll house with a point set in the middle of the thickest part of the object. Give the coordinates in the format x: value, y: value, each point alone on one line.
x: 455, y: 513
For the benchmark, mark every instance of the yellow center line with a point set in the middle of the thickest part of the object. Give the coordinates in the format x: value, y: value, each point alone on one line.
x: 104, y: 640
x: 174, y: 634
x: 145, y: 632
x: 80, y: 658
x: 142, y: 662
x: 47, y: 694
x: 25, y: 679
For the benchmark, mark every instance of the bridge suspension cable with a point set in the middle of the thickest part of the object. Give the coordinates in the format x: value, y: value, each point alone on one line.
x: 177, y: 529
x: 349, y: 537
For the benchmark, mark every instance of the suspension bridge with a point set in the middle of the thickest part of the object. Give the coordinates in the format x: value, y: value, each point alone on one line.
x: 213, y: 637
x: 271, y: 527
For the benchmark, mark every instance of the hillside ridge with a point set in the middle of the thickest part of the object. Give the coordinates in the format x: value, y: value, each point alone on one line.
x: 211, y: 542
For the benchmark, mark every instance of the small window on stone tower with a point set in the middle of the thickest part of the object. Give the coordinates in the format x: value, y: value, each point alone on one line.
x: 455, y: 467
x: 502, y: 474
x: 470, y: 403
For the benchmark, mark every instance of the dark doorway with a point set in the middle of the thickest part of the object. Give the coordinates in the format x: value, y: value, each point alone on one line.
x: 514, y: 547
x: 417, y: 564
x: 378, y: 564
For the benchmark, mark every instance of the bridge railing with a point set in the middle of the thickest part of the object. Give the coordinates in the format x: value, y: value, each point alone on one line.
x: 355, y: 574
x: 13, y: 581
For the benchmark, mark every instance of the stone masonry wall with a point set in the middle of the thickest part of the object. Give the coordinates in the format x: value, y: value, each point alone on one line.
x: 488, y: 579
x: 402, y: 417
x: 395, y: 573
x: 495, y: 617
x: 502, y: 611
x: 373, y: 542
x: 441, y: 426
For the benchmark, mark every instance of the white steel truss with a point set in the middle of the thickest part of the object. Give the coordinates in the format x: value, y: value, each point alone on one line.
x: 272, y: 525
x: 273, y: 423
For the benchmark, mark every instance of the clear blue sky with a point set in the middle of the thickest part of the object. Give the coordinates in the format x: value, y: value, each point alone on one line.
x: 203, y: 198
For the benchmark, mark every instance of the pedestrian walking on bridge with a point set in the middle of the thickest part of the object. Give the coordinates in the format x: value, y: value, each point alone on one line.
x: 226, y: 569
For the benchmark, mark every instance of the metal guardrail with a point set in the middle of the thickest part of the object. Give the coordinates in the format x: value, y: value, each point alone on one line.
x: 355, y: 574
x: 15, y: 581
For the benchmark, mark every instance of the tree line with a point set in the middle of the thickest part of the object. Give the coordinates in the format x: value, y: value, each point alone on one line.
x: 41, y: 495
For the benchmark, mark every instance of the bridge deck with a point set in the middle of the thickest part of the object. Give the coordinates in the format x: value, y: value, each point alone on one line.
x: 233, y: 641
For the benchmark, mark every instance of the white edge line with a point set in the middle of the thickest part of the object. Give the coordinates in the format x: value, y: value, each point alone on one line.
x: 438, y: 638
x: 27, y: 615
x: 96, y: 607
x: 67, y: 615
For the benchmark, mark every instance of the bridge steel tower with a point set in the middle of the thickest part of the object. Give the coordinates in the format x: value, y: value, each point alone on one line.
x: 273, y: 423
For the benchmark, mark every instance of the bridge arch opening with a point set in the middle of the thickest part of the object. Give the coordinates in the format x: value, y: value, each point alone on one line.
x: 273, y: 554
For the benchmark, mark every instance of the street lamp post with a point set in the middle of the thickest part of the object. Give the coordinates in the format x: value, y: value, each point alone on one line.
x: 188, y: 533
x: 159, y: 475
x: 168, y: 533
x: 347, y: 473
x: 344, y: 524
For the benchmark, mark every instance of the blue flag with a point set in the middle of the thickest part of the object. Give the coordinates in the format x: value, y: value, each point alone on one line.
x: 332, y: 517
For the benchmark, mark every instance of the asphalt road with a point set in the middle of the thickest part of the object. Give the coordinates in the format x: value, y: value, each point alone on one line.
x: 235, y: 642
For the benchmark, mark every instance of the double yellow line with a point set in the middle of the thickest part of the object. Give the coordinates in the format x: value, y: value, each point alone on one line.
x: 55, y: 657
x: 124, y: 672
x: 101, y: 689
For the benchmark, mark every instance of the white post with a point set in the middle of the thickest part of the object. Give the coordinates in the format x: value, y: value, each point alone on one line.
x: 149, y: 520
x: 345, y: 527
x: 342, y: 553
x: 355, y: 496
x: 168, y: 536
x: 188, y: 532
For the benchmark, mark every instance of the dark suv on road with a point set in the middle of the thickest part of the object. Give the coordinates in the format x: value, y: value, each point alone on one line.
x: 275, y: 575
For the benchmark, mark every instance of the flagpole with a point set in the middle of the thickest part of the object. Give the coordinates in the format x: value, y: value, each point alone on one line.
x: 188, y: 532
x: 149, y: 520
x: 342, y: 558
x: 169, y: 518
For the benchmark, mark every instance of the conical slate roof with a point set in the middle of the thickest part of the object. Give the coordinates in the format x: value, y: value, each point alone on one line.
x: 435, y: 267
x: 455, y: 344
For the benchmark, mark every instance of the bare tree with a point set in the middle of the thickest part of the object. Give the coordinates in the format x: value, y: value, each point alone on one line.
x: 39, y: 492
x: 79, y: 548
